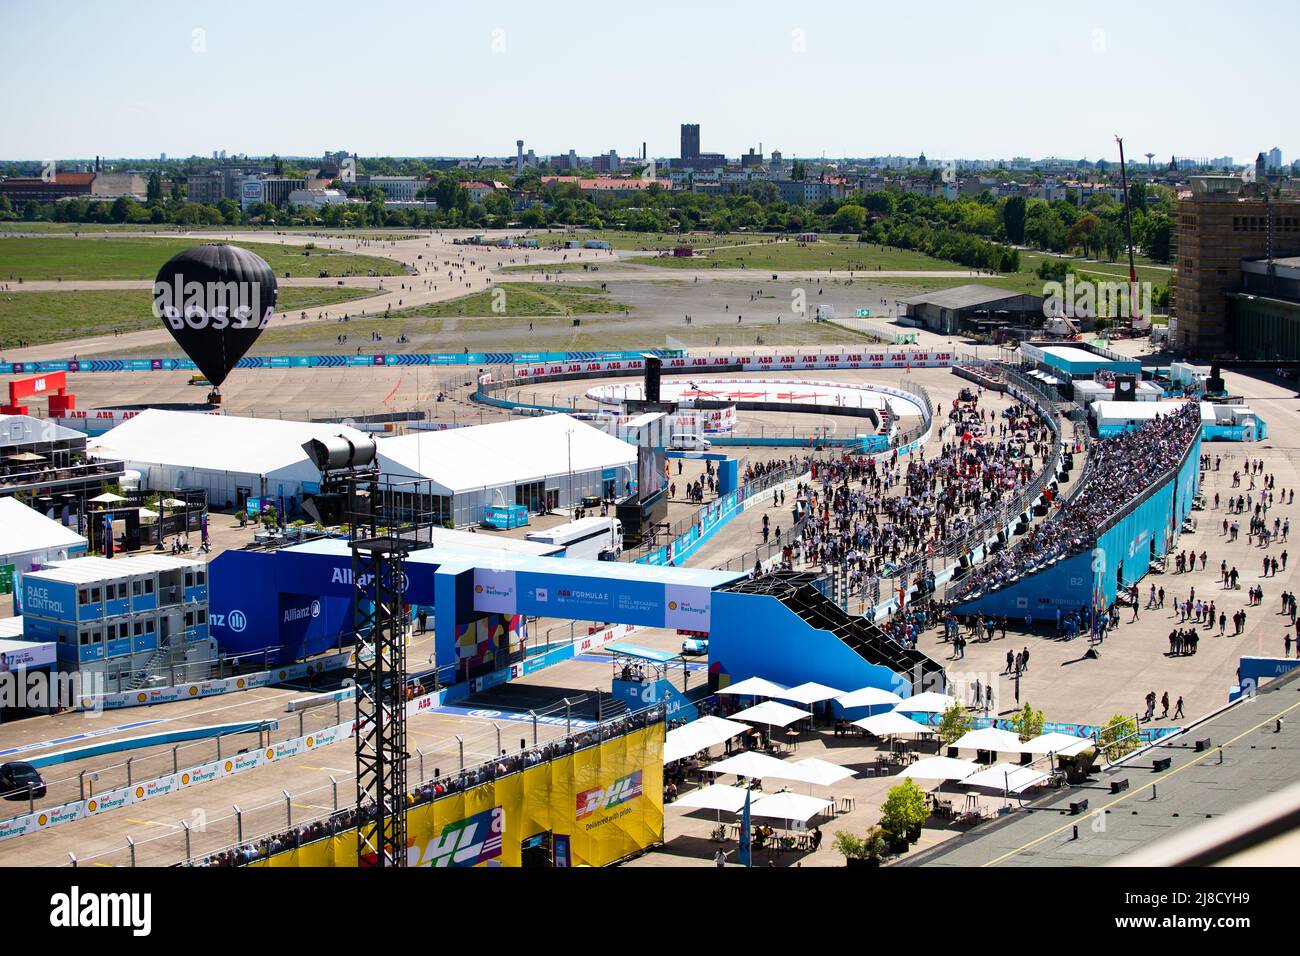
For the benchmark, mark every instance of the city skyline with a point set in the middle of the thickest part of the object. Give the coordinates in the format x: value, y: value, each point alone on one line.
x: 460, y: 82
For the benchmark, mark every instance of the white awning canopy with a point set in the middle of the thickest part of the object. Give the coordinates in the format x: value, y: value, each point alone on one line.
x: 762, y: 767
x: 990, y: 738
x: 754, y: 687
x: 715, y: 796
x: 868, y: 697
x: 1067, y: 745
x: 891, y: 724
x: 771, y: 712
x: 940, y: 768
x: 809, y: 693
x: 1005, y: 776
x: 928, y: 703
x: 789, y: 806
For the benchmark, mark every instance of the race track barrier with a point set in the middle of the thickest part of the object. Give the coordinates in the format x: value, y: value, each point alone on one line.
x: 214, y: 687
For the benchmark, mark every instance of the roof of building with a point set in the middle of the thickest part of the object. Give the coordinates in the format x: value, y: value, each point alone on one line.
x: 255, y: 446
x: 964, y: 296
x: 607, y: 182
x: 58, y: 179
x: 1246, y: 760
x: 23, y: 530
x: 26, y: 430
x: 503, y: 453
x: 90, y: 569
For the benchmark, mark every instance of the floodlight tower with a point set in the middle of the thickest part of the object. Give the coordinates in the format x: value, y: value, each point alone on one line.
x: 348, y: 467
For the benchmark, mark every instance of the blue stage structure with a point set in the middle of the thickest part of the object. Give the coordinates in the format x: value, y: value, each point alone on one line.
x: 297, y: 599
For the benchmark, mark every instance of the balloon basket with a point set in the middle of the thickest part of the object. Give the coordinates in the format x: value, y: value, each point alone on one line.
x: 214, y: 397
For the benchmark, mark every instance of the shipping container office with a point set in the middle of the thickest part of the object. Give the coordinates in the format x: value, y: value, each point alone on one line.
x: 123, y: 610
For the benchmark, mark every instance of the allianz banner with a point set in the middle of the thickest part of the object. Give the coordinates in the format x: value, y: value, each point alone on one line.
x: 606, y: 801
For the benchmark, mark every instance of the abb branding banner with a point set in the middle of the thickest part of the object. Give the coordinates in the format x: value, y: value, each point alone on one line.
x: 792, y: 362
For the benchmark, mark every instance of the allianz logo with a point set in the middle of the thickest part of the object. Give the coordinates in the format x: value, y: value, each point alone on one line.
x: 344, y: 576
x: 302, y: 613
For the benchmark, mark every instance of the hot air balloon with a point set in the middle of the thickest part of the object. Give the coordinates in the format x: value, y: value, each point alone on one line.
x: 215, y: 300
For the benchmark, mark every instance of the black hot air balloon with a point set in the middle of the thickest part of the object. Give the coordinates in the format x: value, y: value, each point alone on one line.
x: 215, y: 300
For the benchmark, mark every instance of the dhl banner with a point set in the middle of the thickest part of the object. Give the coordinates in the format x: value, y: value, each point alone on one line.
x: 604, y: 802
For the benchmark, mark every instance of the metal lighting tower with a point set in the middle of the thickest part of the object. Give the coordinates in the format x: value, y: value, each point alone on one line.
x: 348, y: 470
x: 378, y: 584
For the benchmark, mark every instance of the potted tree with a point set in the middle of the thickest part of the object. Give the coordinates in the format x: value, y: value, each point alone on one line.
x: 904, y: 811
x: 1078, y: 766
x: 851, y: 846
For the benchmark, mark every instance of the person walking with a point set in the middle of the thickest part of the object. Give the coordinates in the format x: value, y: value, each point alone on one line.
x: 1178, y: 710
x: 1164, y: 702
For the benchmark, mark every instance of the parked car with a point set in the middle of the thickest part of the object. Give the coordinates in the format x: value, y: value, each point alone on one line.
x: 17, y: 777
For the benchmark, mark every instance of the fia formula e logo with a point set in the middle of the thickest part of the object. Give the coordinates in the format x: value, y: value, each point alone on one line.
x: 469, y: 842
x: 599, y: 798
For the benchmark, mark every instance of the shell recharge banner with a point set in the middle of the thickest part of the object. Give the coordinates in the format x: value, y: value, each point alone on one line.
x: 606, y: 800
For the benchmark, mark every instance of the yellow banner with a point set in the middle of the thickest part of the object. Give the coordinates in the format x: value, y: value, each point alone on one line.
x: 597, y: 805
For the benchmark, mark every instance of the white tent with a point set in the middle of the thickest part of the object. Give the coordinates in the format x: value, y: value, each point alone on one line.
x: 789, y: 806
x: 891, y: 724
x: 700, y: 735
x: 868, y: 697
x: 989, y: 738
x: 754, y: 687
x: 763, y: 767
x: 1007, y: 777
x: 715, y: 796
x: 927, y: 703
x: 809, y: 693
x: 1067, y: 745
x: 940, y: 768
x: 28, y: 537
x: 772, y: 713
x: 826, y: 773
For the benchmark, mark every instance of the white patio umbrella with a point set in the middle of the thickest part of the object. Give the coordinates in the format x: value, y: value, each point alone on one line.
x: 715, y: 796
x: 826, y: 773
x: 809, y: 693
x: 1067, y: 745
x: 940, y: 768
x: 754, y: 687
x: 173, y: 503
x: 772, y: 713
x: 789, y: 806
x: 762, y: 767
x: 700, y: 735
x: 107, y: 498
x: 1007, y: 777
x: 928, y: 703
x: 989, y: 738
x: 891, y: 724
x: 868, y: 697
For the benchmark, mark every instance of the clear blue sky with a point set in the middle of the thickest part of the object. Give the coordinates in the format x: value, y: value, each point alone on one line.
x: 384, y: 77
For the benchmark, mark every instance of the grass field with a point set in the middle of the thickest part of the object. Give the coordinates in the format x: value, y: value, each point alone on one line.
x: 648, y: 241
x: 769, y: 255
x: 548, y: 333
x: 39, y: 317
x: 519, y: 299
x: 60, y: 257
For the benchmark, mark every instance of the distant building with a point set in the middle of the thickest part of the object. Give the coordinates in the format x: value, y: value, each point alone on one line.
x: 208, y: 188
x: 1275, y: 159
x: 608, y: 185
x: 690, y: 140
x: 317, y: 198
x: 39, y: 189
x: 112, y: 185
x: 751, y: 159
x: 400, y: 188
x: 975, y: 308
x: 608, y: 163
x: 1215, y: 229
x: 1264, y: 314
